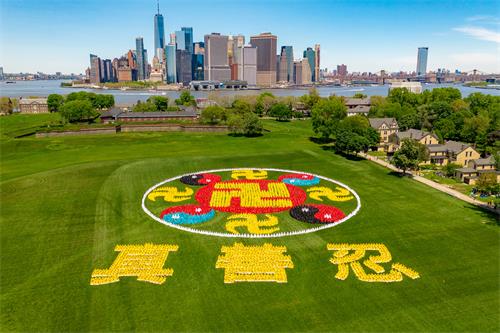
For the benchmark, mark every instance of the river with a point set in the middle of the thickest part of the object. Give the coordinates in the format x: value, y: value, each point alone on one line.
x: 43, y: 88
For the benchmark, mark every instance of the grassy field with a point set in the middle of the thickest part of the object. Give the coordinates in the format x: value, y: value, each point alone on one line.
x: 66, y: 203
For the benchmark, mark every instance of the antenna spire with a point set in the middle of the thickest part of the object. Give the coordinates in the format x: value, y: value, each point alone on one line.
x: 158, y: 4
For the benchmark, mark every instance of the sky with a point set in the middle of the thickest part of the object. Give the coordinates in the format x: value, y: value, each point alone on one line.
x: 366, y: 35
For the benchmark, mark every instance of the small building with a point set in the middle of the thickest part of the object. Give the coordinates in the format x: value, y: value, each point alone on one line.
x: 206, y: 85
x: 438, y: 154
x: 361, y: 110
x: 414, y: 87
x: 423, y: 137
x: 33, y: 105
x: 452, y: 152
x: 385, y: 127
x: 203, y: 103
x: 475, y: 169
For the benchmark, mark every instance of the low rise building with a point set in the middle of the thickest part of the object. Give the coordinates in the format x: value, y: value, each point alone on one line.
x: 385, y: 127
x: 475, y: 169
x: 423, y: 137
x: 120, y: 115
x: 33, y: 105
x: 414, y: 87
x: 357, y: 106
x: 452, y: 152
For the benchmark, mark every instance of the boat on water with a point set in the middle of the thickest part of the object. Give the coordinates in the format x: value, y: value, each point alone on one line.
x: 10, y: 81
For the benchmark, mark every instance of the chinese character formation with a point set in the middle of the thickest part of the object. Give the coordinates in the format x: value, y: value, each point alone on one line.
x: 142, y: 261
x: 350, y: 255
x: 264, y: 263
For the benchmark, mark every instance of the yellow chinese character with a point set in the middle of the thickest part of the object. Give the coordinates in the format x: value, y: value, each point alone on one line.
x: 249, y: 174
x: 143, y: 261
x: 340, y: 194
x: 252, y: 223
x: 264, y: 263
x: 345, y: 259
x: 171, y: 194
x: 251, y: 195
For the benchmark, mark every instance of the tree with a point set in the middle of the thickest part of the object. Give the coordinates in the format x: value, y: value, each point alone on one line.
x: 6, y: 105
x: 247, y: 124
x: 160, y: 102
x: 212, y: 115
x: 326, y: 115
x: 487, y: 183
x: 311, y: 99
x: 264, y: 103
x: 252, y: 126
x: 186, y: 99
x: 54, y: 102
x: 241, y: 106
x: 450, y: 168
x: 78, y: 110
x: 410, y: 155
x: 281, y: 111
x: 407, y: 121
x: 144, y: 107
x: 354, y: 134
x: 359, y: 95
x: 348, y: 141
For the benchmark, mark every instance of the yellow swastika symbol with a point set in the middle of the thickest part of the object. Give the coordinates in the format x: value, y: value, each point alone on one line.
x: 251, y: 195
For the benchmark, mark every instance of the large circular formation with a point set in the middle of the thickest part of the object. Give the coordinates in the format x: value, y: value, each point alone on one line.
x: 250, y: 202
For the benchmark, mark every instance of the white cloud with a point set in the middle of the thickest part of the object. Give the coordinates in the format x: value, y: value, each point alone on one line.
x: 480, y: 33
x: 486, y: 62
x: 488, y: 19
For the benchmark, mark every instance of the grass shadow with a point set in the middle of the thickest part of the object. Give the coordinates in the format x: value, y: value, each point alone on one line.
x: 240, y: 135
x: 485, y: 213
x: 320, y: 141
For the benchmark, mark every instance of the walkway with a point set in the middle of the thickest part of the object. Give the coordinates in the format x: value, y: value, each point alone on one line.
x: 433, y: 184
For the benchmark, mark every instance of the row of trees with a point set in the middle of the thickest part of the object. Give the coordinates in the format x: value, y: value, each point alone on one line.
x: 161, y: 103
x: 474, y: 119
x: 350, y: 134
x: 239, y: 118
x: 79, y: 106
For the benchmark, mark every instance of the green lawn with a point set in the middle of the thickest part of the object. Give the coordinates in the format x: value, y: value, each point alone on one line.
x: 66, y: 203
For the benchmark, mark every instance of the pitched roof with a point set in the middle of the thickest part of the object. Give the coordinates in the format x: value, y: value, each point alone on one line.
x: 414, y: 134
x: 437, y: 148
x: 166, y: 114
x: 377, y: 122
x: 467, y: 170
x: 33, y: 100
x: 490, y: 160
x: 359, y: 109
x: 456, y: 146
x: 357, y: 101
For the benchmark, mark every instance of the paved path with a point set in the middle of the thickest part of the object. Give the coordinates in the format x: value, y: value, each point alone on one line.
x: 433, y: 184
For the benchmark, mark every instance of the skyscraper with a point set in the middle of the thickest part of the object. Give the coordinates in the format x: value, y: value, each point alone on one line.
x: 141, y: 59
x: 95, y: 69
x: 159, y: 30
x: 180, y: 40
x: 171, y: 63
x: 216, y: 59
x: 311, y: 58
x: 266, y: 58
x: 248, y: 67
x: 422, y: 61
x: 188, y: 39
x: 317, y: 62
x: 288, y: 52
x: 183, y: 66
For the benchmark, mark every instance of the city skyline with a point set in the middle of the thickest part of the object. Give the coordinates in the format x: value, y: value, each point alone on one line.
x: 463, y: 39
